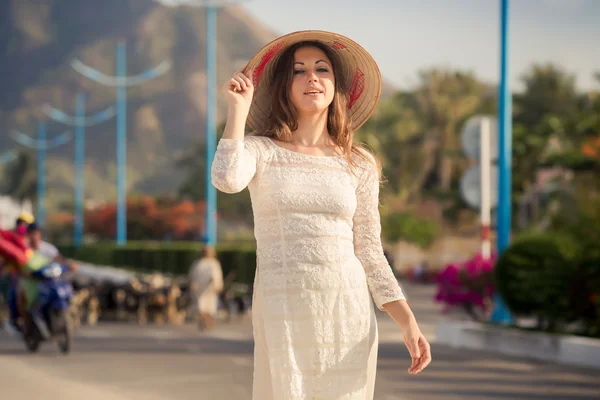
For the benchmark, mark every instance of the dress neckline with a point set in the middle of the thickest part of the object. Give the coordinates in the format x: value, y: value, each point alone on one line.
x: 299, y: 153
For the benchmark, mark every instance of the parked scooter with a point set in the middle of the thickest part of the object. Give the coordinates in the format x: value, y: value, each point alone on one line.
x: 50, y: 319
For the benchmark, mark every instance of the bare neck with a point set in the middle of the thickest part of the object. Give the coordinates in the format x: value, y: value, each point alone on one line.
x: 312, y: 131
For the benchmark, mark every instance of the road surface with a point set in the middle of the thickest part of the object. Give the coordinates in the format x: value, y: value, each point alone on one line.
x: 114, y: 361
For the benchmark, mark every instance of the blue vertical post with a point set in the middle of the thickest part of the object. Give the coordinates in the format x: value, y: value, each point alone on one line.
x: 121, y: 145
x: 211, y: 71
x: 500, y: 312
x: 41, y: 174
x: 79, y: 170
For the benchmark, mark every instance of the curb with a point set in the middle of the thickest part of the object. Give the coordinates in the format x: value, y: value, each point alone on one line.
x: 562, y: 349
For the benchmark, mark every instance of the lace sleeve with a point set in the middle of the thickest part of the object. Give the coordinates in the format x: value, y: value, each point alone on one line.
x: 383, y: 285
x: 234, y: 164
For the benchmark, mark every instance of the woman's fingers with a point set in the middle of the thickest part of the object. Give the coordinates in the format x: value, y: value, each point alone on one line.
x: 245, y: 78
x: 240, y: 82
x: 235, y: 84
x: 425, y: 358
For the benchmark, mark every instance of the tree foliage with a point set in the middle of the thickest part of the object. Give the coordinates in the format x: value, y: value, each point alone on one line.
x: 416, y: 135
x: 20, y: 177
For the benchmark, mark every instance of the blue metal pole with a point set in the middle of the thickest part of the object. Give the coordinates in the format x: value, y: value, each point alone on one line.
x: 211, y: 72
x: 501, y: 312
x: 79, y: 170
x: 121, y: 146
x: 41, y: 174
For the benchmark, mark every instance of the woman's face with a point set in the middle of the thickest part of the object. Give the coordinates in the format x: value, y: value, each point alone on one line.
x: 313, y: 84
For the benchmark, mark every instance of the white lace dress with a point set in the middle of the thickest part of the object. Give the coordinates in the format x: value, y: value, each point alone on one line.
x: 319, y: 260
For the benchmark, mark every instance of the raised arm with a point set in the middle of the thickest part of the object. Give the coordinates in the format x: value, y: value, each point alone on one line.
x: 234, y: 164
x: 383, y: 285
x: 236, y: 158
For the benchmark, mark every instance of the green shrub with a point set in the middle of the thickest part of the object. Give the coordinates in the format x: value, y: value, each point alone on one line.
x: 166, y: 257
x: 101, y: 253
x: 535, y: 274
x: 584, y: 294
x: 406, y: 226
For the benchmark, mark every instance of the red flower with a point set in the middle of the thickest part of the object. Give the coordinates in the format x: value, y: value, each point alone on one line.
x: 467, y: 284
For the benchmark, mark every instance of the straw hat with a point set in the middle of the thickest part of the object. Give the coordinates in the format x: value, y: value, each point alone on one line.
x: 359, y: 71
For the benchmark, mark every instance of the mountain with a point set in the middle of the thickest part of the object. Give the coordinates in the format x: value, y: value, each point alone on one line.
x: 165, y: 116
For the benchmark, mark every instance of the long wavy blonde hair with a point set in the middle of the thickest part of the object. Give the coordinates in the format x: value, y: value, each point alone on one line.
x: 283, y: 120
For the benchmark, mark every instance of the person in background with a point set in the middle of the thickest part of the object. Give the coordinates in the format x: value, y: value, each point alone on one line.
x: 206, y: 283
x: 44, y: 253
x: 9, y: 269
x: 37, y: 244
x: 23, y: 221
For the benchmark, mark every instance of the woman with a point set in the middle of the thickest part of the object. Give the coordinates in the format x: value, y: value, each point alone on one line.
x: 206, y: 283
x: 315, y: 201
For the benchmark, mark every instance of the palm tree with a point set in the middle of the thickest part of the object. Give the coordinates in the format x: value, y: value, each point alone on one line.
x: 416, y: 132
x: 396, y: 135
x: 443, y: 101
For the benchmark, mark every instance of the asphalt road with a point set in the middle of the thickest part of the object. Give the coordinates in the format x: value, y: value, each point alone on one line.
x: 113, y: 361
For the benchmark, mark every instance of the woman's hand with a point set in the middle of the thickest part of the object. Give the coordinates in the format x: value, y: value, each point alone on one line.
x: 418, y: 347
x: 415, y: 342
x: 239, y: 90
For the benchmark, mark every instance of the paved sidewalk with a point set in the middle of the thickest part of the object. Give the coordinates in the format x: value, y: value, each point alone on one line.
x: 126, y: 362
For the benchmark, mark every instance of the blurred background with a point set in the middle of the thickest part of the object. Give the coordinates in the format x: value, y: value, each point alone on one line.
x: 109, y: 112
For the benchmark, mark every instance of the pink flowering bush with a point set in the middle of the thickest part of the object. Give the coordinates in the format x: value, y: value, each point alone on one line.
x: 468, y: 285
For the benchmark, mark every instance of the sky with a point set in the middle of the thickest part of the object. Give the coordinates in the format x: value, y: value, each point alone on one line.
x: 405, y: 36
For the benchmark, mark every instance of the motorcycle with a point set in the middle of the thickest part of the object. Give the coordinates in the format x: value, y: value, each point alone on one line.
x: 50, y: 319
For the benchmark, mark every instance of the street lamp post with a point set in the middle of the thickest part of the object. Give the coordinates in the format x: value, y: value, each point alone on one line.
x: 79, y: 121
x: 211, y: 7
x: 501, y: 313
x: 211, y: 125
x: 41, y: 145
x: 121, y: 81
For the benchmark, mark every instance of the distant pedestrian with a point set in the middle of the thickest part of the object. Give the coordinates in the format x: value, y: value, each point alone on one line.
x: 206, y: 284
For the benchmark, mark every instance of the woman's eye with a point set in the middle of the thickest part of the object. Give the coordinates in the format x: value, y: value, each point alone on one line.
x: 298, y: 71
x: 323, y: 70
